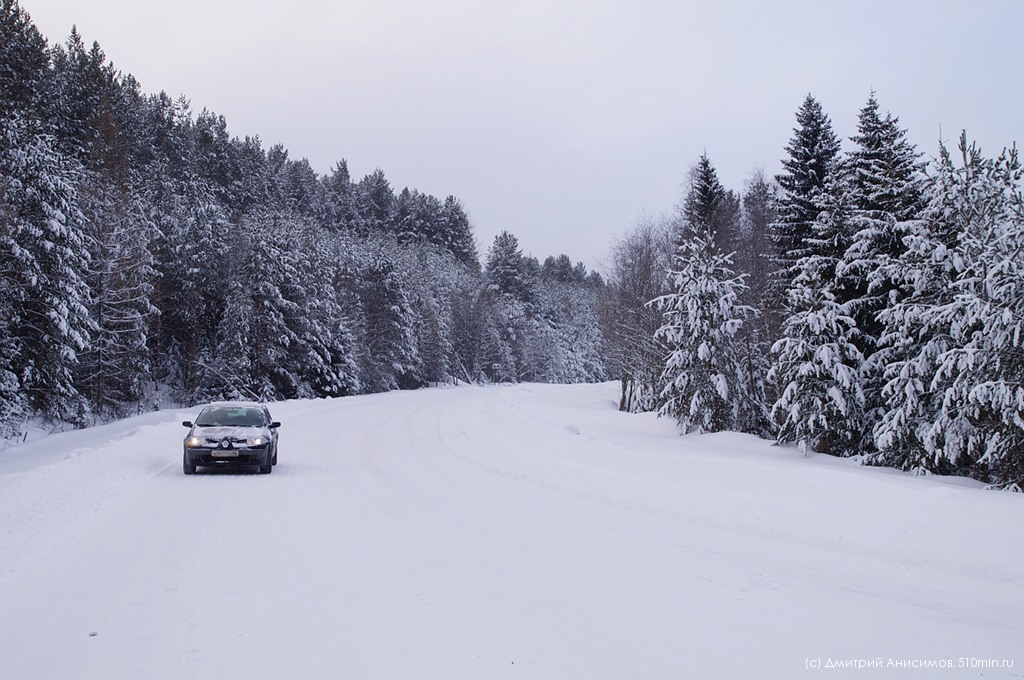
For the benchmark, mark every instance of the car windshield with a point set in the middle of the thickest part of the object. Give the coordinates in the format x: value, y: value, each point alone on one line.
x: 230, y: 416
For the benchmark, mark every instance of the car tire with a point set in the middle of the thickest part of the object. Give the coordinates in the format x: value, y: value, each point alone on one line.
x: 188, y: 469
x: 266, y: 469
x: 274, y: 461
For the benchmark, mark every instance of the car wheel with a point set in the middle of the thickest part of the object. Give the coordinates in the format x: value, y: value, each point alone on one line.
x: 189, y: 469
x: 266, y: 469
x: 274, y: 461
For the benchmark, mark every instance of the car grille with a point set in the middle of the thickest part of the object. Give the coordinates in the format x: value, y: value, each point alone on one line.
x: 213, y: 441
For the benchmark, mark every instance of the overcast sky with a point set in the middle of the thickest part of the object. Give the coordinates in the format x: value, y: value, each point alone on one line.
x: 562, y: 121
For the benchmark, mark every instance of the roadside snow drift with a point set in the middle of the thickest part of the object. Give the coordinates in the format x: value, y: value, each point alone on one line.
x: 526, y: 531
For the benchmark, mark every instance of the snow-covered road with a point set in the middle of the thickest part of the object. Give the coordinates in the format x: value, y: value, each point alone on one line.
x: 523, y: 531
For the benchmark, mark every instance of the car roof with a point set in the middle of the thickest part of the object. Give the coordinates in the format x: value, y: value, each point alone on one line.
x: 236, y: 404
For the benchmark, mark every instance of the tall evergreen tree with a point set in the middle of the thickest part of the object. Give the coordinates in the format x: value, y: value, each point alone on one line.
x: 376, y: 201
x: 194, y: 263
x: 812, y: 151
x: 24, y: 64
x: 393, y: 359
x: 340, y: 206
x: 323, y: 355
x: 817, y: 365
x: 457, y: 233
x: 507, y: 271
x: 703, y: 376
x: 885, y: 197
x: 709, y: 208
x: 44, y: 261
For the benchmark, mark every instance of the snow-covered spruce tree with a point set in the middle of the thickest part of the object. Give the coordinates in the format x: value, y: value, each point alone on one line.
x: 955, y: 388
x: 376, y: 201
x: 393, y: 360
x: 817, y: 365
x: 25, y: 60
x: 756, y: 252
x: 278, y: 296
x: 506, y: 270
x: 886, y: 181
x: 702, y: 377
x: 231, y: 373
x: 710, y: 207
x: 456, y: 234
x: 340, y: 209
x: 13, y: 404
x: 43, y: 260
x: 812, y: 152
x: 325, y: 354
x: 193, y: 264
x: 515, y: 339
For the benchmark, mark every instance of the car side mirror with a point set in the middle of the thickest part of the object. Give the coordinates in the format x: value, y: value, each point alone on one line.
x: 274, y: 425
x: 187, y: 423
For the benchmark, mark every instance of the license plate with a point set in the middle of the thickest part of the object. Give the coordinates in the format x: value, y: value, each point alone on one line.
x: 225, y: 454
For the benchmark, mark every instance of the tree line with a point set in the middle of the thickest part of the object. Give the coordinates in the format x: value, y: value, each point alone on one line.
x: 862, y: 304
x: 146, y: 254
x: 857, y: 304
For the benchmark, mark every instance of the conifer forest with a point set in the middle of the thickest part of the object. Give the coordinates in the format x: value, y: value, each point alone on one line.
x: 862, y: 303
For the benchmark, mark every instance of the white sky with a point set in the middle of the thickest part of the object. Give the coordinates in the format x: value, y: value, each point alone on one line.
x: 562, y: 121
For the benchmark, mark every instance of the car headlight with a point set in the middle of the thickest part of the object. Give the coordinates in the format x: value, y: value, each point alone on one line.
x: 192, y: 442
x: 258, y: 441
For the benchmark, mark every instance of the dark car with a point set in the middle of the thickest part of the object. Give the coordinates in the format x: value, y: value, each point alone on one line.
x: 231, y: 433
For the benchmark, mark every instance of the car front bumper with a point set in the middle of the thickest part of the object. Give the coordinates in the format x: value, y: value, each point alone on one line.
x: 237, y: 456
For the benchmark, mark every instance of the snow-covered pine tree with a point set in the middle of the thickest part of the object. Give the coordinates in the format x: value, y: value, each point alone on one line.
x: 506, y: 271
x: 955, y: 388
x: 26, y: 63
x: 756, y: 253
x: 376, y: 202
x: 393, y: 359
x: 710, y: 206
x: 324, y: 354
x: 231, y: 373
x: 817, y: 364
x: 249, y: 187
x: 212, y: 160
x: 13, y: 404
x: 340, y: 209
x: 702, y: 376
x: 886, y: 195
x: 194, y: 263
x: 273, y: 283
x: 457, y: 233
x: 812, y: 151
x: 43, y: 260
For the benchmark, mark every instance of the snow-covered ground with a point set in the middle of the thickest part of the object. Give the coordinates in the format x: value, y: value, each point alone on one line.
x: 526, y: 531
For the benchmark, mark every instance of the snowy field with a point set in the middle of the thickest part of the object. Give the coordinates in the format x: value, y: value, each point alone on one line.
x: 523, y: 531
